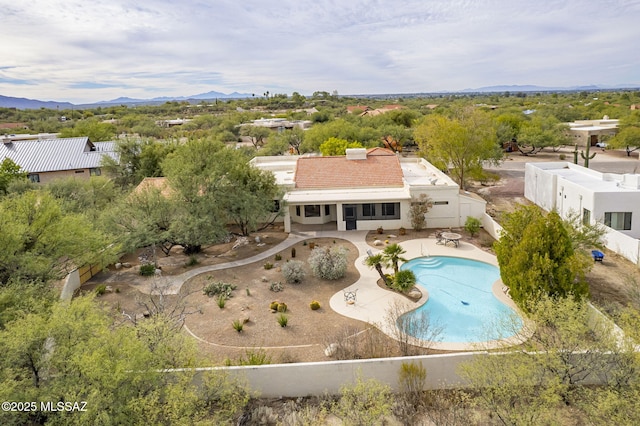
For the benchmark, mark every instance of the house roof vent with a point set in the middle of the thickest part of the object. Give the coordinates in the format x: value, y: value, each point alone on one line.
x: 356, y: 153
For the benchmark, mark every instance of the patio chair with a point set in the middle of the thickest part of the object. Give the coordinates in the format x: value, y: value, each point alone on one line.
x: 350, y: 296
x: 597, y: 255
x: 439, y: 238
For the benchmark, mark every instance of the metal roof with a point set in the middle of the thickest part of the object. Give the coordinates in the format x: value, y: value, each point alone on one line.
x: 49, y: 155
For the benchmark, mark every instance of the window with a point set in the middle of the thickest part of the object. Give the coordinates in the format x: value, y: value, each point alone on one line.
x: 618, y: 220
x: 327, y: 210
x: 388, y: 209
x: 586, y: 216
x: 368, y: 210
x: 95, y: 172
x: 312, y: 210
x: 35, y: 178
x: 79, y: 171
x: 440, y: 203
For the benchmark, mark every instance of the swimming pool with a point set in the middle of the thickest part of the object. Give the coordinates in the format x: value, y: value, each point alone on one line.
x: 461, y: 301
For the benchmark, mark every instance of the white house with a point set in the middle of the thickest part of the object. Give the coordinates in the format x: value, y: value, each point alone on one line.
x: 367, y: 189
x: 590, y: 132
x: 610, y: 198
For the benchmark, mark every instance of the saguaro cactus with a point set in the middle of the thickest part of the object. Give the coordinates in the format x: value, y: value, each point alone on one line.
x: 587, y: 157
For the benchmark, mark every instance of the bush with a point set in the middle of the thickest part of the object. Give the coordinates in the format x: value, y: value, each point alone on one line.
x: 419, y: 208
x: 404, y: 280
x: 472, y: 225
x: 193, y: 260
x: 268, y: 265
x: 276, y: 286
x: 329, y: 263
x: 282, y: 307
x: 314, y: 305
x: 101, y: 289
x: 278, y: 257
x: 222, y: 300
x: 238, y: 325
x: 293, y: 271
x: 283, y: 320
x: 219, y: 288
x: 147, y: 269
x: 274, y: 305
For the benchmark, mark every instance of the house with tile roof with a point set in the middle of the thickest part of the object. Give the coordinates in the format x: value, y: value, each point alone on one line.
x: 49, y: 159
x: 367, y: 189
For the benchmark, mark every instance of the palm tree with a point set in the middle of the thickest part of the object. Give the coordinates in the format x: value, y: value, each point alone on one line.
x: 375, y: 261
x: 391, y: 255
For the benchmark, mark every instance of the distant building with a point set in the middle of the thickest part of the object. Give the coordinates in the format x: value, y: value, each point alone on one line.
x: 280, y: 124
x: 591, y: 132
x: 49, y: 159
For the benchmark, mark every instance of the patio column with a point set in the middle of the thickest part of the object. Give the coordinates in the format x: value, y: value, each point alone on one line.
x: 287, y: 219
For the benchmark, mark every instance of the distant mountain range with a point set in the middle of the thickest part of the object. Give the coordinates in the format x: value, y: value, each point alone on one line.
x: 23, y: 103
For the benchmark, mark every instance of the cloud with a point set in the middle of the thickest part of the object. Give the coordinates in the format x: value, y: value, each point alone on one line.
x: 85, y: 51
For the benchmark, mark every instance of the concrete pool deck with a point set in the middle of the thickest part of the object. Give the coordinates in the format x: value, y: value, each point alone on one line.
x: 373, y: 302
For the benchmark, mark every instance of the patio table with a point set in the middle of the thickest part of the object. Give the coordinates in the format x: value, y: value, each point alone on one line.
x: 451, y: 237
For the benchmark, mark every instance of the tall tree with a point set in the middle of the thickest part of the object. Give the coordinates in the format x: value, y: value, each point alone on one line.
x: 335, y: 146
x: 542, y: 132
x: 629, y: 135
x: 10, y: 172
x: 462, y: 143
x: 537, y: 257
x: 41, y: 242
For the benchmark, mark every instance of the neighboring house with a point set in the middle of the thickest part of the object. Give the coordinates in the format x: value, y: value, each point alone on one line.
x: 379, y: 111
x: 351, y: 109
x: 280, y: 124
x: 609, y: 198
x: 591, y: 132
x: 49, y: 159
x: 367, y: 189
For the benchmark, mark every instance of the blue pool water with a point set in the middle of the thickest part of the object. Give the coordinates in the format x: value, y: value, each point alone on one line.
x: 461, y: 301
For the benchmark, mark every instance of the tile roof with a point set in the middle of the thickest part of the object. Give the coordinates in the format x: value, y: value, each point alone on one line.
x: 48, y: 155
x: 380, y: 169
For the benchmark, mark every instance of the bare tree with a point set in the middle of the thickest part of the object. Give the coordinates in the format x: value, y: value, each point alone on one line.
x: 405, y: 329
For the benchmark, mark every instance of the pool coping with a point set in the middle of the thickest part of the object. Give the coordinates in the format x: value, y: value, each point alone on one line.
x: 372, y: 301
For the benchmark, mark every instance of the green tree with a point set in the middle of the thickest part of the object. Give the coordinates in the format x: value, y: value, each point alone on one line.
x: 461, y: 144
x: 41, y: 242
x: 629, y: 135
x: 93, y: 128
x: 257, y: 134
x: 10, y: 172
x: 542, y: 132
x: 71, y: 353
x: 137, y: 159
x: 537, y: 257
x: 90, y: 197
x: 335, y: 146
x: 392, y: 255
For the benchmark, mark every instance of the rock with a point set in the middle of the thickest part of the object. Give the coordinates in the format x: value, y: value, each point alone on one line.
x: 126, y: 265
x: 108, y: 289
x: 157, y: 272
x: 377, y: 243
x: 245, y: 319
x: 331, y: 349
x: 260, y: 244
x: 257, y: 240
x: 414, y: 294
x: 118, y: 265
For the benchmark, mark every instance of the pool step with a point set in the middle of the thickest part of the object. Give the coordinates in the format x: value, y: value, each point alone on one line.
x: 427, y: 262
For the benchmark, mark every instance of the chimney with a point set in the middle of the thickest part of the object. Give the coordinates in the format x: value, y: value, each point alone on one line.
x: 356, y: 153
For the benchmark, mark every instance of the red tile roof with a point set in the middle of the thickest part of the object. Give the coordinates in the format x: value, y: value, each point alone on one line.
x: 381, y: 168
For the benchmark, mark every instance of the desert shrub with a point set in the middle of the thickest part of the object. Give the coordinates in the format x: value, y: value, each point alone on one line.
x: 293, y: 271
x: 411, y: 380
x: 193, y: 260
x: 101, y: 289
x: 472, y: 225
x: 219, y: 288
x: 314, y: 305
x: 366, y: 402
x: 276, y: 286
x: 222, y: 300
x: 238, y: 325
x: 278, y: 257
x: 329, y: 263
x: 404, y: 280
x: 274, y: 305
x: 147, y: 269
x: 293, y: 252
x: 254, y: 357
x: 283, y: 320
x: 282, y: 307
x: 268, y: 266
x: 117, y: 289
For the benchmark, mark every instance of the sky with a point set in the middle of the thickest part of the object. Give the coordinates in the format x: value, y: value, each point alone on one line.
x: 83, y: 52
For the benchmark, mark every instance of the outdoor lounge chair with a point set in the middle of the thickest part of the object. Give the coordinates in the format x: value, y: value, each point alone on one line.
x: 439, y: 239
